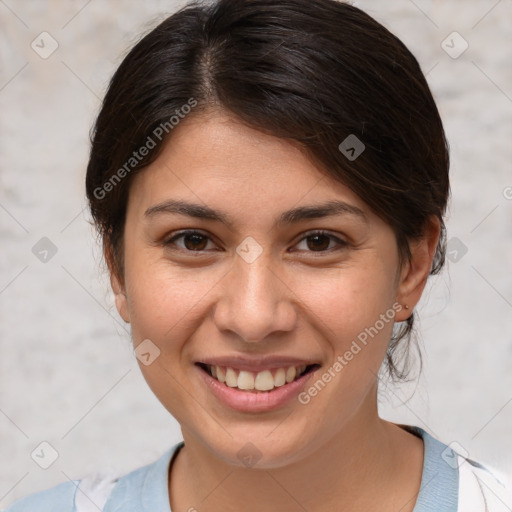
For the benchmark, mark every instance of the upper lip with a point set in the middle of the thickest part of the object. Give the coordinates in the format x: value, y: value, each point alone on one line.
x: 257, y: 364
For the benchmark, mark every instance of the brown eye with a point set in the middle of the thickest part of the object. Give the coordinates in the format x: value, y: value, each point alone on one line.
x: 320, y: 241
x: 193, y: 241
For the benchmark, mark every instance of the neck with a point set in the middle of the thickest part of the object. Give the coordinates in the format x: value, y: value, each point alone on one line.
x: 369, y: 463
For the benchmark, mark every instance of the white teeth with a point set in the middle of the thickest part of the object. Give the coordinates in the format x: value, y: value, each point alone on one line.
x: 231, y: 378
x: 280, y: 378
x: 261, y: 381
x: 290, y: 374
x: 264, y: 381
x: 221, y: 374
x: 246, y: 380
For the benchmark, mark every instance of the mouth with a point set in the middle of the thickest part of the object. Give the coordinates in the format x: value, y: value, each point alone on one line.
x: 263, y: 381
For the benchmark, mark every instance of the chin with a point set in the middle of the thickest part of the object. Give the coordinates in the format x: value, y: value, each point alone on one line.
x: 257, y: 447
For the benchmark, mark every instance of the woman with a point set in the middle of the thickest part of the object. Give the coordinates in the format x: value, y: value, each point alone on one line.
x: 270, y: 181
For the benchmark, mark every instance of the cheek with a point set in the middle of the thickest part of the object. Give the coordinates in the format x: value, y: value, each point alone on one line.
x: 344, y: 301
x: 165, y: 303
x: 353, y: 319
x: 167, y: 306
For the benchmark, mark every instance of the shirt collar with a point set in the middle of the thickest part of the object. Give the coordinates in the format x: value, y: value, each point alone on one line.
x: 439, y: 489
x: 147, y: 490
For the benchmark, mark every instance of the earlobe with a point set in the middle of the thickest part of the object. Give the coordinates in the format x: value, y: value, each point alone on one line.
x: 120, y: 298
x: 416, y: 272
x: 118, y: 289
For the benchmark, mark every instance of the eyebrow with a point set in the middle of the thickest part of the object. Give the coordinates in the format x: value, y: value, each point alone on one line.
x: 295, y: 215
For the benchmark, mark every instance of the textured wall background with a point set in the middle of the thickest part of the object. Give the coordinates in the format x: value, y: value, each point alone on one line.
x: 67, y: 374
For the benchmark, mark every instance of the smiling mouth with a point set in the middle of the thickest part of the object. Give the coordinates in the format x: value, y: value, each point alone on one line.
x: 256, y: 382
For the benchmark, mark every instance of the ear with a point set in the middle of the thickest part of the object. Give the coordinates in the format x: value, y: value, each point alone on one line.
x: 415, y: 273
x: 117, y: 285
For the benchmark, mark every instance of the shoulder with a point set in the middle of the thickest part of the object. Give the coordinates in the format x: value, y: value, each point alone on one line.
x: 456, y: 482
x: 106, y: 490
x: 145, y: 488
x: 59, y: 498
x: 72, y: 496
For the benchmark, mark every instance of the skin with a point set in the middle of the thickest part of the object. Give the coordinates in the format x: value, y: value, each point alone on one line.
x: 293, y: 300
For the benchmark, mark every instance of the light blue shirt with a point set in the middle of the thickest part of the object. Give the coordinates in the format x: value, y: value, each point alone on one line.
x: 146, y: 489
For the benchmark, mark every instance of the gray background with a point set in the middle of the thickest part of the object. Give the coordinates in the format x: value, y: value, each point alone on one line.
x: 67, y: 373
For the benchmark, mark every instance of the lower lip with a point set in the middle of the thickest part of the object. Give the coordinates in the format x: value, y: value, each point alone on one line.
x: 262, y: 401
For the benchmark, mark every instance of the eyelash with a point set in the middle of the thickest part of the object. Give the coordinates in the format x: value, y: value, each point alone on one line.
x: 171, y: 241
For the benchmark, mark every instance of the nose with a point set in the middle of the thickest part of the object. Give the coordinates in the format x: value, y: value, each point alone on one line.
x: 254, y: 301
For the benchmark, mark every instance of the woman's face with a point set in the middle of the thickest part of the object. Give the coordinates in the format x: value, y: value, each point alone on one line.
x: 259, y: 292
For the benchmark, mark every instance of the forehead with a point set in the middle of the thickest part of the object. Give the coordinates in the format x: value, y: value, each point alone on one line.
x: 220, y: 162
x: 220, y: 146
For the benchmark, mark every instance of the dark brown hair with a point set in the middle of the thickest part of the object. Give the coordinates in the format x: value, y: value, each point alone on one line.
x: 313, y: 72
